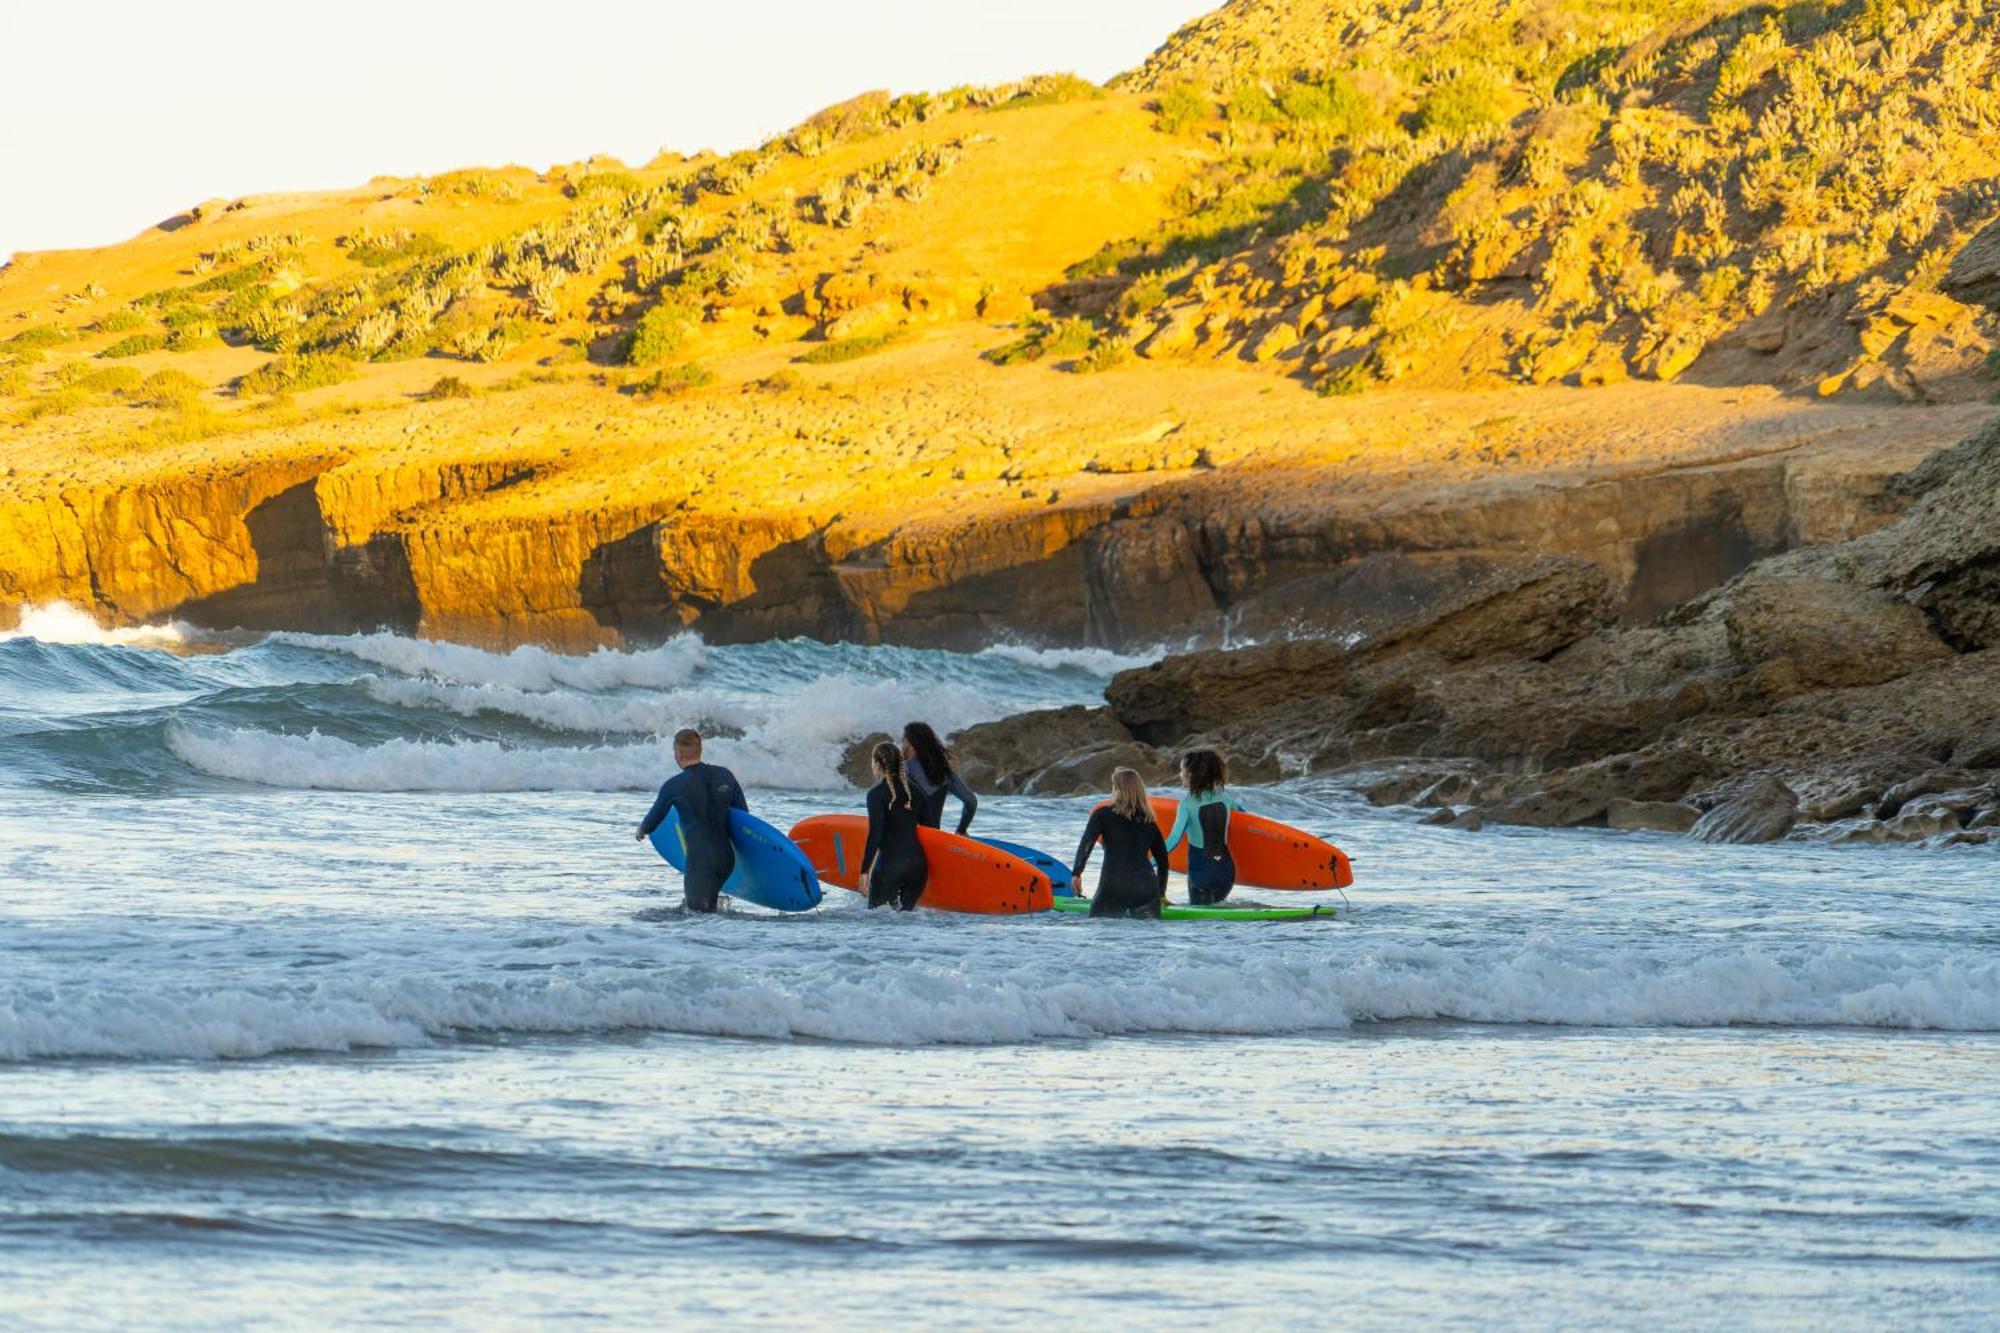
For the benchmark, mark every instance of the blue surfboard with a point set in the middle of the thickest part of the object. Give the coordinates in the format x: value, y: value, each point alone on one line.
x: 1057, y: 871
x: 770, y: 871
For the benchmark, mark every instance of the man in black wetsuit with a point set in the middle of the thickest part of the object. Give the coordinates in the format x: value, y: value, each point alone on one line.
x: 703, y: 794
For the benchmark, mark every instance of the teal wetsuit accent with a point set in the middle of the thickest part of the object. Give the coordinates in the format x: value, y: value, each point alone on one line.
x: 1189, y: 820
x: 1204, y: 821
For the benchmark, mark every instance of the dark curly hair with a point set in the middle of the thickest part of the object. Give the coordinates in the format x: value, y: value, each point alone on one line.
x: 1204, y: 770
x: 930, y: 751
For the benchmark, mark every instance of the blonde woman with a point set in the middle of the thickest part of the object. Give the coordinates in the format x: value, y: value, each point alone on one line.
x: 1131, y: 837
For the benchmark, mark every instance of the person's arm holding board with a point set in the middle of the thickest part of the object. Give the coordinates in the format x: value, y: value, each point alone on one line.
x: 670, y: 791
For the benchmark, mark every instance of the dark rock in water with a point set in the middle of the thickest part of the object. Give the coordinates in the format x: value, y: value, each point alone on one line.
x: 1208, y: 691
x: 1805, y: 633
x: 1917, y: 825
x: 1053, y: 752
x: 1859, y: 831
x: 1930, y: 784
x: 857, y: 764
x: 1583, y: 795
x: 1827, y: 681
x: 1090, y: 771
x: 1404, y: 787
x: 1526, y: 612
x: 1442, y: 815
x: 1447, y: 790
x: 1656, y: 816
x: 1985, y: 819
x: 1470, y: 822
x: 1762, y: 810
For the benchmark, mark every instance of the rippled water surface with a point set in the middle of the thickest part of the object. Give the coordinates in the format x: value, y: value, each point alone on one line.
x: 333, y: 988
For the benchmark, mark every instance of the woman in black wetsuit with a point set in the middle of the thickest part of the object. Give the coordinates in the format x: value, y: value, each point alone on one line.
x: 1131, y: 837
x: 893, y: 869
x: 927, y: 764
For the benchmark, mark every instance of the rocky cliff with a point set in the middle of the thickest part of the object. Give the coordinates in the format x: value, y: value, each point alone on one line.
x: 1848, y: 686
x: 1330, y: 311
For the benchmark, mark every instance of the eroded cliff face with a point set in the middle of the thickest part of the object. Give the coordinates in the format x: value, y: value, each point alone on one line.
x: 1853, y: 686
x: 435, y: 541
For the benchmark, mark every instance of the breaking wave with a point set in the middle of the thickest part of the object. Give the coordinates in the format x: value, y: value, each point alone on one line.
x: 1008, y: 994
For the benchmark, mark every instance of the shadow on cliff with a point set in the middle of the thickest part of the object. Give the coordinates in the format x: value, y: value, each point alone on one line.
x: 795, y: 591
x: 304, y: 581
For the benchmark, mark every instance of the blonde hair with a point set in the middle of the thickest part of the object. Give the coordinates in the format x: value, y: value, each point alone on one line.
x: 890, y: 761
x: 1128, y: 794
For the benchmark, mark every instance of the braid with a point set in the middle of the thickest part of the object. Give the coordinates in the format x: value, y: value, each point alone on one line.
x: 890, y: 760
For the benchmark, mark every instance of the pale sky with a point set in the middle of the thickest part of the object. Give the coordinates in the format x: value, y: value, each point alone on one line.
x: 115, y: 114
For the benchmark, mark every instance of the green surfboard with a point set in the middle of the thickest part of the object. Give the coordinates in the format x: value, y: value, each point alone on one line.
x: 1189, y: 912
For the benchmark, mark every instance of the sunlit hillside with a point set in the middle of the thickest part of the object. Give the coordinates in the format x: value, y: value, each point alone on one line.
x: 927, y: 340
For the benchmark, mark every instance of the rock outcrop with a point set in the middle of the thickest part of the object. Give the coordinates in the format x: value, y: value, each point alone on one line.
x: 1852, y: 687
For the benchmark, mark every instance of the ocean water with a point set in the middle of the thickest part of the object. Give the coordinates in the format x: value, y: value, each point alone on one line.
x: 334, y: 989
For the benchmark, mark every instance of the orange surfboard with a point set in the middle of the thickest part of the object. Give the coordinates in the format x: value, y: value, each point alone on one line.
x: 966, y: 876
x: 1268, y: 855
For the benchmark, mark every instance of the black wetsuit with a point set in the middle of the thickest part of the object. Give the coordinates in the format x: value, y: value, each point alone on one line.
x: 893, y: 859
x: 704, y: 794
x: 930, y: 796
x: 1128, y: 886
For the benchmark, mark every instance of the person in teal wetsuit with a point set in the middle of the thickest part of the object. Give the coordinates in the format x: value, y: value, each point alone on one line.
x: 1203, y: 819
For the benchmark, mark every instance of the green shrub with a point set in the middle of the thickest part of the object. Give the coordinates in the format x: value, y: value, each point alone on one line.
x: 1180, y: 107
x: 1250, y: 104
x: 1345, y: 381
x: 660, y: 332
x: 846, y: 349
x: 174, y: 389
x: 1107, y: 353
x: 601, y: 182
x: 1470, y: 100
x: 119, y: 321
x: 1334, y: 105
x: 471, y: 185
x: 1065, y: 337
x: 377, y: 249
x: 13, y: 381
x: 98, y: 379
x: 448, y: 386
x: 39, y: 337
x: 1145, y: 292
x: 289, y: 374
x: 671, y: 381
x: 134, y: 344
x: 1049, y: 89
x: 56, y: 403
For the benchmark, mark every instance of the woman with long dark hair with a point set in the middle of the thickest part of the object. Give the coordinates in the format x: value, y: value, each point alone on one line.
x: 893, y: 869
x: 928, y: 765
x: 1129, y: 885
x: 1203, y: 819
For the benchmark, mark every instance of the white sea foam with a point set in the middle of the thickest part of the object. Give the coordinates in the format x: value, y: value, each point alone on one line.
x: 525, y: 668
x: 1095, y: 661
x: 60, y: 622
x: 563, y: 710
x: 328, y: 763
x: 794, y: 741
x: 1012, y: 998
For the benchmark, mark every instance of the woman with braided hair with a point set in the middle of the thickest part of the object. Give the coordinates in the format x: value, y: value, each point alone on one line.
x: 893, y: 869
